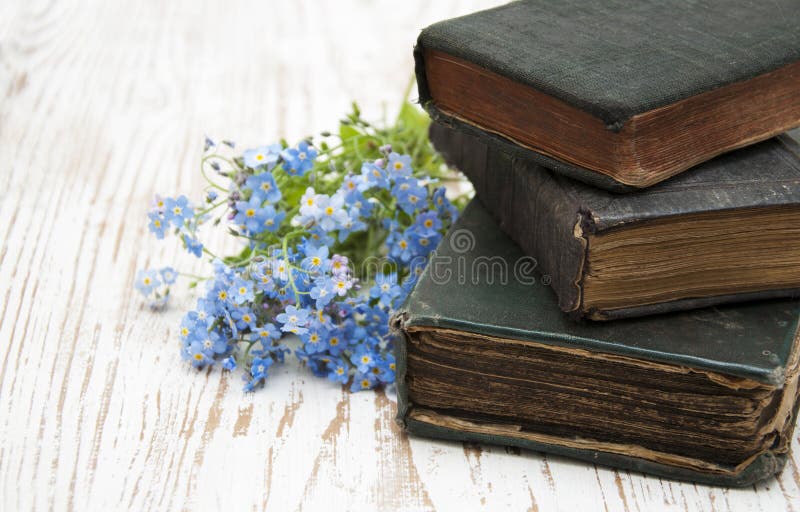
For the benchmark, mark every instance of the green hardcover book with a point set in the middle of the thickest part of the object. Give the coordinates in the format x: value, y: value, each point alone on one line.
x: 621, y: 93
x: 484, y: 354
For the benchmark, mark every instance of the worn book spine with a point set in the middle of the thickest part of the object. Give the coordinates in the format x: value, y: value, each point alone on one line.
x: 573, y: 171
x: 531, y: 207
x: 548, y: 215
x: 424, y: 423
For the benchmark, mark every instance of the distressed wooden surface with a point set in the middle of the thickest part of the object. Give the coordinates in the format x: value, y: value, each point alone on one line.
x: 104, y: 104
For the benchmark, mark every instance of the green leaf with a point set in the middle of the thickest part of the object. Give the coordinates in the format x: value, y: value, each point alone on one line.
x: 413, y: 117
x: 347, y: 132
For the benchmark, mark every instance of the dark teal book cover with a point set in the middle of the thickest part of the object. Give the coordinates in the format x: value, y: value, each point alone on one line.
x: 481, y: 316
x: 556, y: 78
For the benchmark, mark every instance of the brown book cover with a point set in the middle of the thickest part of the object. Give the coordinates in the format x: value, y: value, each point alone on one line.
x: 622, y: 94
x: 725, y: 231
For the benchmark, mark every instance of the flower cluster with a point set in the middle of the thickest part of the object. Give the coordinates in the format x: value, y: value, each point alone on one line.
x: 334, y: 242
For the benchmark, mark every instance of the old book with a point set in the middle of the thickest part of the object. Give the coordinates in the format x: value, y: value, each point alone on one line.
x: 485, y: 355
x: 725, y: 231
x: 623, y: 93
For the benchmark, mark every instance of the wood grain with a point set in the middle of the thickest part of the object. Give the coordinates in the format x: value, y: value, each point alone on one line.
x: 103, y: 105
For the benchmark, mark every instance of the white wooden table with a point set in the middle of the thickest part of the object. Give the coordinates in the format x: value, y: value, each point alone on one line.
x: 103, y: 105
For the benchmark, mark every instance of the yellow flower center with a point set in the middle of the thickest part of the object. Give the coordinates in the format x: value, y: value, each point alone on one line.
x: 365, y: 383
x: 428, y: 223
x: 177, y: 210
x: 329, y: 211
x: 259, y: 157
x: 222, y: 295
x: 198, y: 356
x: 334, y: 341
x: 403, y: 244
x: 242, y: 290
x: 250, y: 212
x: 157, y: 223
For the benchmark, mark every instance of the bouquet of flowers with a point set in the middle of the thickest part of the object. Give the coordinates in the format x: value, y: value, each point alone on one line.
x: 336, y: 230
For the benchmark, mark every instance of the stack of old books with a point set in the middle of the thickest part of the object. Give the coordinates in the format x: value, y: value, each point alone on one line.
x: 633, y: 153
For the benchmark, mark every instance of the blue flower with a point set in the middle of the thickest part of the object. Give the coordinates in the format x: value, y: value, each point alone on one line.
x: 363, y: 382
x: 400, y: 246
x: 424, y: 243
x: 267, y: 333
x: 409, y: 193
x: 264, y: 187
x: 212, y: 343
x: 427, y: 224
x: 386, y: 288
x: 258, y: 369
x: 262, y: 156
x: 316, y: 258
x: 314, y: 341
x: 341, y: 284
x: 249, y: 214
x: 194, y: 352
x: 399, y: 165
x: 168, y: 274
x: 309, y: 206
x: 322, y: 291
x: 387, y: 367
x: 294, y: 320
x: 178, y: 211
x: 193, y: 245
x: 338, y: 371
x: 147, y: 281
x: 351, y: 225
x: 211, y: 196
x: 364, y: 359
x: 350, y: 187
x: 336, y: 342
x: 158, y: 224
x: 372, y: 175
x: 340, y: 265
x: 443, y: 205
x: 241, y: 291
x: 331, y: 212
x: 229, y: 363
x: 271, y: 218
x: 297, y: 162
x: 244, y: 318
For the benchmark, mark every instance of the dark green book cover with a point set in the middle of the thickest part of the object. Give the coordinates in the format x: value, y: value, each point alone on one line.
x: 614, y: 62
x: 728, y: 230
x: 485, y: 355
